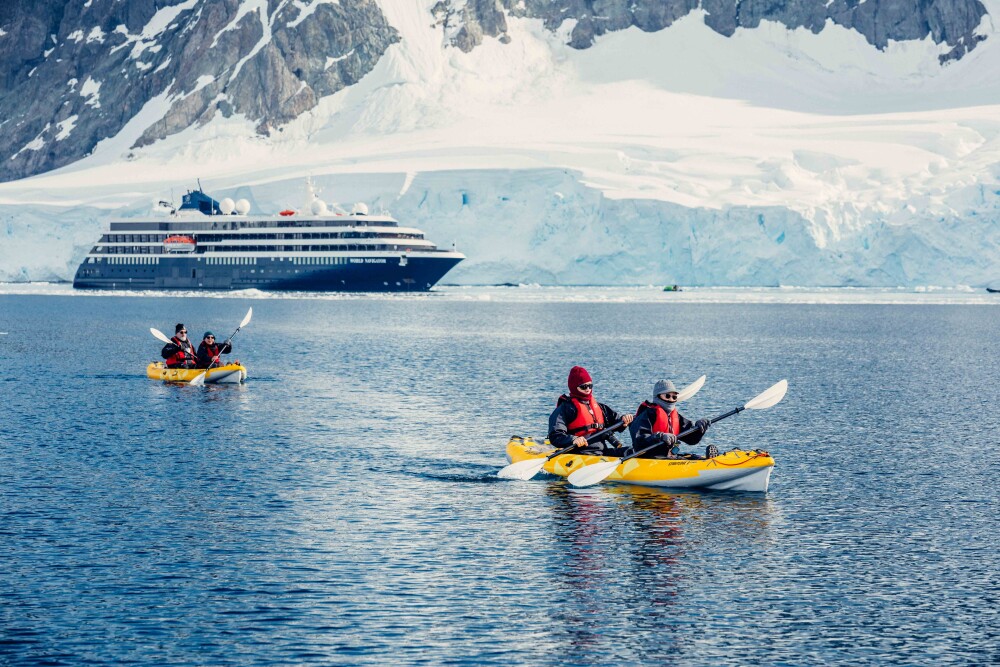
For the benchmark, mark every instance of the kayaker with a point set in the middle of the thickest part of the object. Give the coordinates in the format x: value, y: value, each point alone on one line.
x: 208, y: 351
x: 179, y: 353
x: 578, y: 415
x: 659, y: 422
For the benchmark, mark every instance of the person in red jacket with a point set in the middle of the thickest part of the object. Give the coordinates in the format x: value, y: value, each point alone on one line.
x: 658, y: 422
x: 579, y: 415
x: 208, y: 351
x: 179, y: 352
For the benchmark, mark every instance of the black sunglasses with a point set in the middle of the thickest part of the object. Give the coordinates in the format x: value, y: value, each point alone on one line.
x: 589, y: 385
x: 671, y: 397
x: 182, y: 331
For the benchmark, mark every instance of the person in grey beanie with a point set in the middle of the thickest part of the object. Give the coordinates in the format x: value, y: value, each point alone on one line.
x: 658, y: 422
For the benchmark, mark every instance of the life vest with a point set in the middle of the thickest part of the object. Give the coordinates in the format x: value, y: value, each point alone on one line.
x: 183, y: 355
x: 212, y: 351
x: 662, y: 422
x: 589, y: 417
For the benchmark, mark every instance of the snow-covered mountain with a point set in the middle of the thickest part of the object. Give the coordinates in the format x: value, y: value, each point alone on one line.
x: 701, y: 142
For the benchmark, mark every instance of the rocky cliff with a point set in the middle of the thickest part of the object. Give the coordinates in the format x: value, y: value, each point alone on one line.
x: 79, y: 72
x: 951, y: 22
x: 76, y: 72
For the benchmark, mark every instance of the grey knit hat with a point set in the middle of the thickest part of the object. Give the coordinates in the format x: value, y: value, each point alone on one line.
x: 663, y: 387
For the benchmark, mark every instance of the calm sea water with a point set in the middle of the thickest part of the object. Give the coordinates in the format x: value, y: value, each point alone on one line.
x: 342, y: 508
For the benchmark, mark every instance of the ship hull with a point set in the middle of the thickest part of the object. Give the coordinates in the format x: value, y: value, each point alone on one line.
x: 344, y: 274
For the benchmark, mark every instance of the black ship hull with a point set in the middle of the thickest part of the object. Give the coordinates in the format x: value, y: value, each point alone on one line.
x: 316, y: 274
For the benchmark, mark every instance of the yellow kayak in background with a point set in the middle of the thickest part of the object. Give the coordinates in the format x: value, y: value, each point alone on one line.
x: 228, y: 374
x: 736, y: 470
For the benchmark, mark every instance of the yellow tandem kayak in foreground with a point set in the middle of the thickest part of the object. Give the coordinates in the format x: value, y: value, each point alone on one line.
x: 228, y: 374
x: 736, y: 470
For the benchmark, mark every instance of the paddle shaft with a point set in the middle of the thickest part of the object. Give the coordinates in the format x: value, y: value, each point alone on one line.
x: 593, y: 438
x: 221, y: 347
x: 215, y: 359
x: 633, y: 455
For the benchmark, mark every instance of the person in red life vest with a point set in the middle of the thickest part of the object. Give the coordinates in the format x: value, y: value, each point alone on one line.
x: 579, y: 415
x: 659, y: 422
x: 208, y: 351
x: 179, y: 353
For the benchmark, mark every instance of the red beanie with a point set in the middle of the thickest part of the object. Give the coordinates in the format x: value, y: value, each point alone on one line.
x: 577, y: 376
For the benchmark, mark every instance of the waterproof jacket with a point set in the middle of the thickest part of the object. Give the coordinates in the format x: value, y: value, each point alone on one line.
x: 206, y: 353
x: 641, y: 430
x: 565, y: 414
x: 178, y: 353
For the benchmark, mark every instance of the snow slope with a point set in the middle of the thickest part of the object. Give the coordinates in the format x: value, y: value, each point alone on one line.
x: 771, y: 157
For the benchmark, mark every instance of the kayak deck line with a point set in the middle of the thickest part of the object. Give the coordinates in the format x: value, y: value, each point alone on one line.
x: 228, y: 374
x: 736, y: 470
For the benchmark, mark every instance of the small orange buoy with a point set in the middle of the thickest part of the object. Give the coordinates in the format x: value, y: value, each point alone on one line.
x: 287, y: 212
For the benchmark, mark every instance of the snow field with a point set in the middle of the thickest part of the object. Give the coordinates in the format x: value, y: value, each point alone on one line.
x: 651, y: 157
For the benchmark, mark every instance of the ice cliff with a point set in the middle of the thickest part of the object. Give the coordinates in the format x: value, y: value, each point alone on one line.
x: 579, y: 142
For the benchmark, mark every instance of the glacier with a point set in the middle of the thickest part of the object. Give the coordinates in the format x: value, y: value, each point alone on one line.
x: 772, y: 157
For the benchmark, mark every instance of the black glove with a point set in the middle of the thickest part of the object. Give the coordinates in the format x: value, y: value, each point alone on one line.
x: 667, y: 438
x: 702, y: 425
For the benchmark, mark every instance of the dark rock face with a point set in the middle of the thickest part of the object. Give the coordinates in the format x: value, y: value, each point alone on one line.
x: 951, y: 22
x: 77, y: 71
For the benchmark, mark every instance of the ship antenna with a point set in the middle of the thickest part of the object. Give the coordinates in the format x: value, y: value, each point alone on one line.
x: 199, y: 185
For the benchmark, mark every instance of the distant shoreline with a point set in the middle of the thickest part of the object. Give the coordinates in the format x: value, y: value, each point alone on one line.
x: 932, y: 295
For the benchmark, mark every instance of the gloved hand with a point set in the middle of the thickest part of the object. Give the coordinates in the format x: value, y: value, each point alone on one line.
x: 702, y: 425
x: 667, y: 438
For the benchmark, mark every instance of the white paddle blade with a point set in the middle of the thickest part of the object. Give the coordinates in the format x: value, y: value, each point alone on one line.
x: 159, y: 334
x: 246, y: 320
x: 692, y: 389
x: 769, y: 397
x: 522, y: 470
x: 198, y: 380
x: 594, y: 473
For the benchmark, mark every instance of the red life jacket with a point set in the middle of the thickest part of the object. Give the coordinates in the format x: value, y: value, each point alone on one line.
x: 589, y: 417
x: 662, y: 422
x: 182, y: 356
x: 212, y: 351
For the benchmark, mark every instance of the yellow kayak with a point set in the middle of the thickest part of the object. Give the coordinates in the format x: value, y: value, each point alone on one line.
x: 736, y: 470
x: 228, y: 374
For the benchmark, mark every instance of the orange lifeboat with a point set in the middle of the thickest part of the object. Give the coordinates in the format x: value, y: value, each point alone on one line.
x: 178, y: 244
x: 287, y: 212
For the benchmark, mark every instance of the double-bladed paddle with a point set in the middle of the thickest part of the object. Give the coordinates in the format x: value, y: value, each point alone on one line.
x: 525, y: 470
x: 199, y: 380
x: 598, y: 472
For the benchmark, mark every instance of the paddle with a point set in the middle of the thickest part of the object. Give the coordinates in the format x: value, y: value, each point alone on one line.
x: 525, y: 470
x: 597, y: 472
x: 199, y: 380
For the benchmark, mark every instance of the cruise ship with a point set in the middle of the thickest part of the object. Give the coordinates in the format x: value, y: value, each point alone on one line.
x: 215, y: 245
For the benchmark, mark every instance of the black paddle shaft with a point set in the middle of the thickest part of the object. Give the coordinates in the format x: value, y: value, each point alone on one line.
x: 227, y: 342
x: 594, y: 438
x: 633, y: 455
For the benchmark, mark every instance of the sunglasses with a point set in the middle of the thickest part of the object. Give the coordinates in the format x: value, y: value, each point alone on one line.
x: 182, y: 331
x: 671, y: 397
x: 589, y: 385
x: 209, y: 337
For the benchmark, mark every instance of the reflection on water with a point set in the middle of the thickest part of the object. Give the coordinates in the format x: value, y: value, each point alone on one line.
x: 627, y: 560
